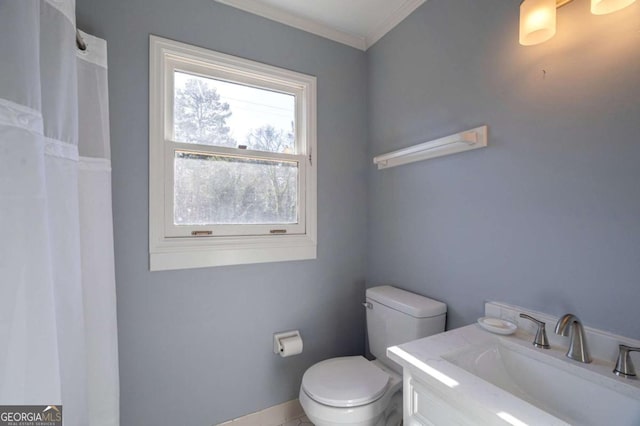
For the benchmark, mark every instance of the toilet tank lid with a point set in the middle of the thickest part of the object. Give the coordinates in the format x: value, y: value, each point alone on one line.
x: 404, y: 301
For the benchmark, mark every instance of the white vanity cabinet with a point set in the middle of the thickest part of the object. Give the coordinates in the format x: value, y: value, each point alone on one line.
x: 424, y: 407
x: 426, y: 403
x: 469, y: 376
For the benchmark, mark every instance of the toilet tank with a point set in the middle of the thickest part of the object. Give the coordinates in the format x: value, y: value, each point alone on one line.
x: 396, y: 316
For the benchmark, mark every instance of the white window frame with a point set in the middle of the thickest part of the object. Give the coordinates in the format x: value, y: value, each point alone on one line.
x: 172, y: 247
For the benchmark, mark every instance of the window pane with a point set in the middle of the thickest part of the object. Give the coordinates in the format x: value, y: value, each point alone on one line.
x: 215, y: 112
x: 217, y: 190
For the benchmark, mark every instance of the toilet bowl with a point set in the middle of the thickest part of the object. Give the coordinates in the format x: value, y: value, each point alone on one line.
x: 351, y: 391
x: 357, y: 392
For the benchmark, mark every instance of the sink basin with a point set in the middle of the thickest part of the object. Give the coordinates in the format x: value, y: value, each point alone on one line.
x: 574, y: 393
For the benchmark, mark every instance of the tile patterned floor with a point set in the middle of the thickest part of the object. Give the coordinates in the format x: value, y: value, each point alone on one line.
x: 301, y: 421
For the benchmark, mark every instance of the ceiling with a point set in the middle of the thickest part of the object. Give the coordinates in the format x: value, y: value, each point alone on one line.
x: 356, y: 23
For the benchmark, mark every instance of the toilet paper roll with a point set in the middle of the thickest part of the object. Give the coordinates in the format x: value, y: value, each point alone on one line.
x: 290, y: 346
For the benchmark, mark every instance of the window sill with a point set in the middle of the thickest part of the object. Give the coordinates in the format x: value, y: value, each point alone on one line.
x: 187, y: 253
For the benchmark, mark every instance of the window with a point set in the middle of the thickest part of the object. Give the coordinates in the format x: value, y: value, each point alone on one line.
x: 232, y: 172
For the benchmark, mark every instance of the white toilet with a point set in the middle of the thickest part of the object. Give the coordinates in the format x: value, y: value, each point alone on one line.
x: 354, y: 391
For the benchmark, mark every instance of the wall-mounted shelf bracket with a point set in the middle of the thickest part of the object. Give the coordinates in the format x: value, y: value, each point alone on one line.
x: 463, y: 141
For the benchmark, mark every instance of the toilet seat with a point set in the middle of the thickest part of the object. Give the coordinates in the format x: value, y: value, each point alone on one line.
x: 345, y: 382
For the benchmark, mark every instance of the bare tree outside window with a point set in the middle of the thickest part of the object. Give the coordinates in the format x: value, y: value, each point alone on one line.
x: 199, y: 115
x: 282, y: 182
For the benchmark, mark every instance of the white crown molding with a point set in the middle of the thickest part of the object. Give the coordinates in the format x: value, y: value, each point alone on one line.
x: 390, y: 23
x: 292, y: 20
x: 323, y: 30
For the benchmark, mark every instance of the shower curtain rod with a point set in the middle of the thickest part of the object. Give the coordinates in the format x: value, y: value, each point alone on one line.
x: 80, y: 41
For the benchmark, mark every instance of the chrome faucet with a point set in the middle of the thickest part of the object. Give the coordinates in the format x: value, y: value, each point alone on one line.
x: 569, y: 325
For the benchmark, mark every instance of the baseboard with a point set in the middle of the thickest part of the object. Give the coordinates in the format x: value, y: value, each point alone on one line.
x: 272, y: 416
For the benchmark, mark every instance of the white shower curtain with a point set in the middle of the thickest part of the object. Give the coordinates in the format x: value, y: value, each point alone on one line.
x: 58, y: 341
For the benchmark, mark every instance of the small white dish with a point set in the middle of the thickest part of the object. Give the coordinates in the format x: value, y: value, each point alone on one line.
x: 497, y: 325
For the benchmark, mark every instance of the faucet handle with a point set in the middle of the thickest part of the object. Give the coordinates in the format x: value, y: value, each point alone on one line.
x: 540, y: 341
x: 624, y: 366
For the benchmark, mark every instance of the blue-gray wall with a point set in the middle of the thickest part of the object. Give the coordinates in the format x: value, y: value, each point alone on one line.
x: 196, y: 345
x: 547, y: 216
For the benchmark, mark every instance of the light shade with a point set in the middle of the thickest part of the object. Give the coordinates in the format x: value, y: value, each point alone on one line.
x: 538, y: 21
x: 602, y: 7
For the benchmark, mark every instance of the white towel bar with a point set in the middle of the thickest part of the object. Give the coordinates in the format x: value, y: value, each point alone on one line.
x: 463, y: 141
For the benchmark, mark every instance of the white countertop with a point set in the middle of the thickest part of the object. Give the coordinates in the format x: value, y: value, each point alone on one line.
x: 488, y: 403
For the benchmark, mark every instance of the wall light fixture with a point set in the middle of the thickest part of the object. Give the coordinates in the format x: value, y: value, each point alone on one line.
x: 538, y: 17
